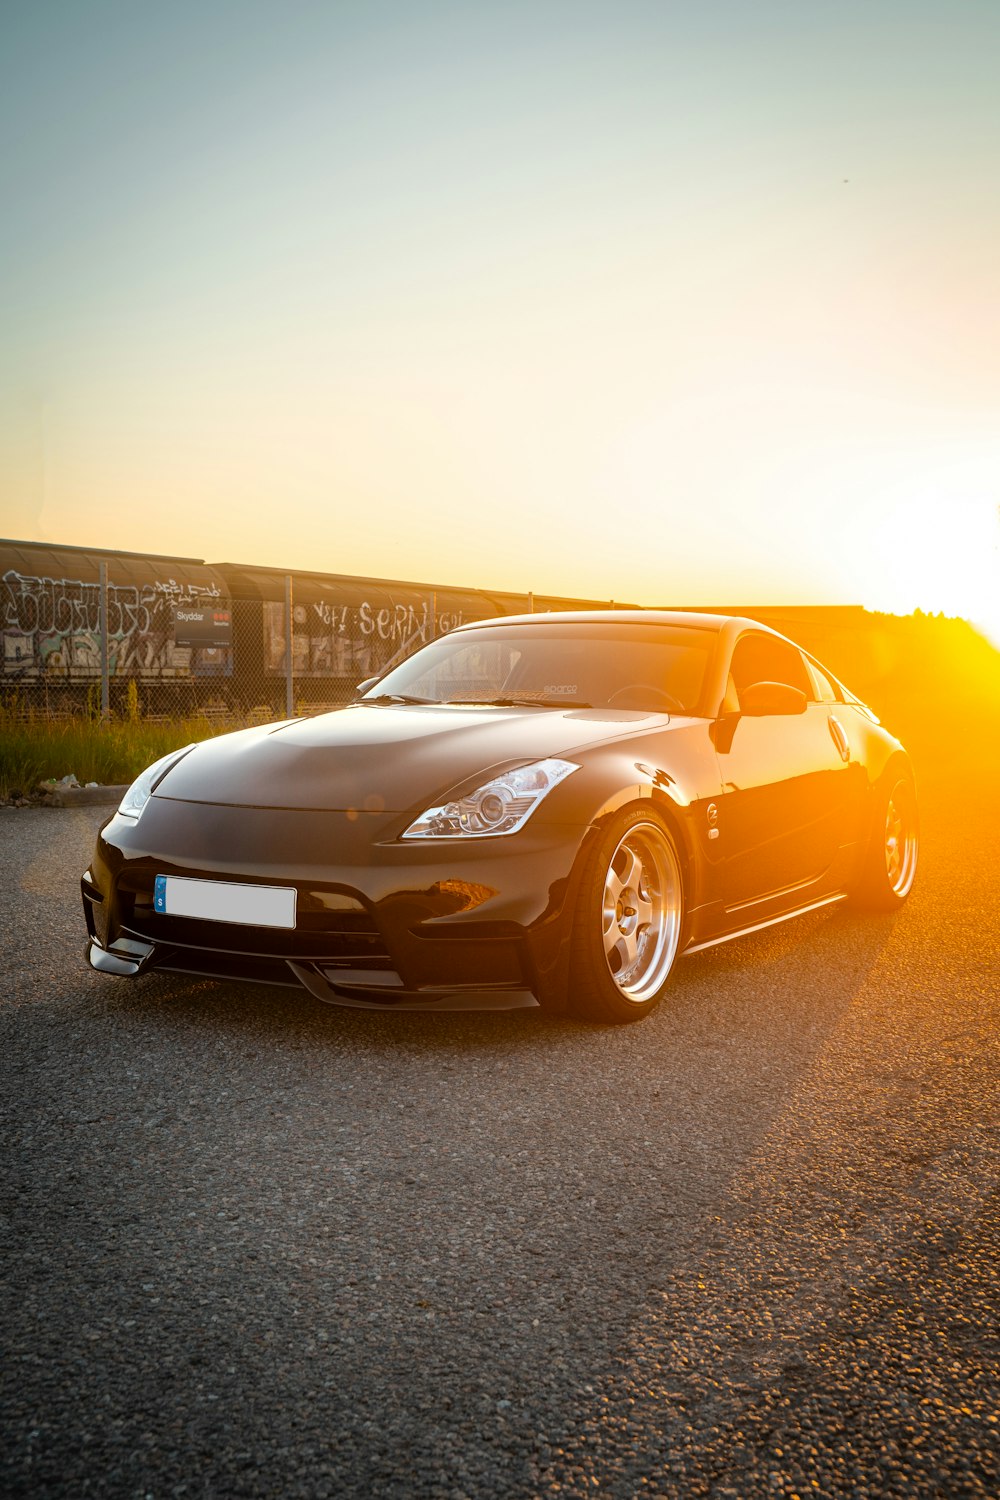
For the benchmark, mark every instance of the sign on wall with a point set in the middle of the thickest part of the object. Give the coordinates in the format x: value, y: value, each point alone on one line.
x: 202, y: 625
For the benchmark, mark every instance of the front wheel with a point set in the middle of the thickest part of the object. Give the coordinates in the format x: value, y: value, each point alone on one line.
x: 628, y: 921
x: 890, y: 860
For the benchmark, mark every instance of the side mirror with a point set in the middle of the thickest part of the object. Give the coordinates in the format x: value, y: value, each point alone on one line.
x: 761, y: 699
x: 363, y: 687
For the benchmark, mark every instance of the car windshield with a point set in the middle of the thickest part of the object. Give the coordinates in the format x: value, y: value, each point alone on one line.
x: 650, y: 668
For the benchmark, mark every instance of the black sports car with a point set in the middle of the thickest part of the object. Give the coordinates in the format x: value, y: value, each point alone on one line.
x: 558, y: 803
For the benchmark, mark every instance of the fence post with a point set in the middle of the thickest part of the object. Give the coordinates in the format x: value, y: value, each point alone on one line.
x: 102, y: 625
x: 289, y: 693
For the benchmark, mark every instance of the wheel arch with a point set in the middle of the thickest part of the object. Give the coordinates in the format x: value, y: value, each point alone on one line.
x: 878, y: 750
x: 864, y: 888
x: 895, y: 763
x: 647, y: 796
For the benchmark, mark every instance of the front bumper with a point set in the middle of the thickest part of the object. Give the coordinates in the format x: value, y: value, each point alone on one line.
x: 378, y: 922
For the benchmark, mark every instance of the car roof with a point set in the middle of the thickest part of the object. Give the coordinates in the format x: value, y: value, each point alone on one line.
x: 691, y: 619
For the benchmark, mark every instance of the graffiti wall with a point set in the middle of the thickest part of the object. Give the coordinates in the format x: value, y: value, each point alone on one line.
x: 354, y: 640
x: 51, y: 628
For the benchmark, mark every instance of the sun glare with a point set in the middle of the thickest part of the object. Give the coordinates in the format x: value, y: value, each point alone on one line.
x: 942, y: 557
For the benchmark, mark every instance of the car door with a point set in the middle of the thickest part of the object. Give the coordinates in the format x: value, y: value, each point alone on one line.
x: 790, y: 792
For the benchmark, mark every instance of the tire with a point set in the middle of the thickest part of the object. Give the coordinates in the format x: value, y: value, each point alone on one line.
x: 889, y: 865
x: 628, y: 921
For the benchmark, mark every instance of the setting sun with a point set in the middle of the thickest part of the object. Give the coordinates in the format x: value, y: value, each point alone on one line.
x: 944, y: 558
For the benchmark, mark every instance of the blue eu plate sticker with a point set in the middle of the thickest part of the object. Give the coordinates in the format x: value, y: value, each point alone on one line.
x: 160, y: 893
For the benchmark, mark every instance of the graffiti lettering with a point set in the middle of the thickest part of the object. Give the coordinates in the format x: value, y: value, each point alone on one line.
x: 346, y: 640
x: 52, y: 625
x: 335, y: 617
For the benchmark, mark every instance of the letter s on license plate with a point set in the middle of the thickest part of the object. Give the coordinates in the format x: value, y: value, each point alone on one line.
x: 225, y: 901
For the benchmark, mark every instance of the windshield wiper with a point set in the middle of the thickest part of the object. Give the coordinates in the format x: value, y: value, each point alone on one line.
x: 521, y: 702
x: 382, y: 699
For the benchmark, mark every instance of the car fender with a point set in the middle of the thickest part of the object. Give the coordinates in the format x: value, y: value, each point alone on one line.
x: 683, y: 795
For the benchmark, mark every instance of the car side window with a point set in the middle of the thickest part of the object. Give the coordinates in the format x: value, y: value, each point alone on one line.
x: 825, y: 692
x: 763, y: 658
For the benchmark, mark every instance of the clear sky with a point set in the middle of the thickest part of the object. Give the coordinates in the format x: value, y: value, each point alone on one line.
x: 658, y: 301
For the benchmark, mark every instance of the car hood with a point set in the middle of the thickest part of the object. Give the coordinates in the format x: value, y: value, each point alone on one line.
x: 386, y: 758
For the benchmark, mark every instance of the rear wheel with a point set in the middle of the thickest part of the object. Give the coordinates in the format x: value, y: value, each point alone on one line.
x: 628, y: 921
x: 890, y: 861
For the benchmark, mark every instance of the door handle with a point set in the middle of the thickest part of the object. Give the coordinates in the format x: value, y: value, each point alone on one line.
x: 839, y: 737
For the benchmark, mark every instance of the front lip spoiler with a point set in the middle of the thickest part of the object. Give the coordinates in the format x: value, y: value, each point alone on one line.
x: 137, y: 958
x: 355, y: 995
x: 360, y: 996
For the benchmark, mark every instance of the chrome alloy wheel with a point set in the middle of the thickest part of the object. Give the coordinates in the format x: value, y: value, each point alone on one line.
x: 900, y: 840
x: 642, y: 911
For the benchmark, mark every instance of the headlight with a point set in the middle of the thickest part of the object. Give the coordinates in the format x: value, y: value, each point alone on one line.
x: 141, y: 790
x: 500, y: 806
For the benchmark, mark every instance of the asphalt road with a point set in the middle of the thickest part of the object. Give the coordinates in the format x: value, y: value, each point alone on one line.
x: 254, y: 1246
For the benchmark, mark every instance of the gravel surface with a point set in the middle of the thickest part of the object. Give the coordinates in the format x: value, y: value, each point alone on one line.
x: 255, y: 1246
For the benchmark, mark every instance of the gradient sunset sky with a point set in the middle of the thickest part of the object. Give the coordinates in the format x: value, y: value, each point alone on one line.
x: 662, y: 302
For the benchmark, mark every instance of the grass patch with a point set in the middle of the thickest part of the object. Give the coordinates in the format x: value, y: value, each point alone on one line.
x: 37, y: 749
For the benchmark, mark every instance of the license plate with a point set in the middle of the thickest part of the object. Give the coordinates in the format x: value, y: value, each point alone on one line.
x: 225, y: 901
